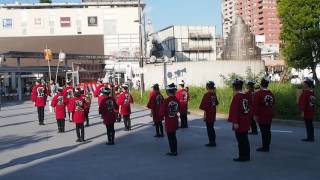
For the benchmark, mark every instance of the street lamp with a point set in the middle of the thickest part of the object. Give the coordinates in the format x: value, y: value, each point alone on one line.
x: 141, y: 48
x: 62, y: 58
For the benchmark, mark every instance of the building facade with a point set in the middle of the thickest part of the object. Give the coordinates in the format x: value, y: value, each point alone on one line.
x: 190, y: 43
x: 108, y: 28
x: 228, y: 9
x: 261, y: 16
x: 117, y: 23
x: 262, y: 19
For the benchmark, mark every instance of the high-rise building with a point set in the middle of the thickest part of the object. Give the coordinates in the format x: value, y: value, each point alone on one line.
x: 228, y: 9
x: 262, y: 18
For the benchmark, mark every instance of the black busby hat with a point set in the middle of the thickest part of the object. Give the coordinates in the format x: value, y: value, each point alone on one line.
x: 77, y: 92
x: 156, y: 86
x: 309, y: 82
x: 251, y: 83
x: 237, y: 83
x: 210, y: 84
x: 265, y: 81
x: 171, y: 86
x: 106, y: 91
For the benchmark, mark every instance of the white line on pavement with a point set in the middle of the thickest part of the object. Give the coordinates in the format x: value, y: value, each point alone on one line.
x: 276, y: 131
x: 203, y: 127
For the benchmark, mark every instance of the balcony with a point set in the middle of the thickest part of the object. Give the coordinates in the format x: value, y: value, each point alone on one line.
x: 200, y: 36
x: 196, y: 49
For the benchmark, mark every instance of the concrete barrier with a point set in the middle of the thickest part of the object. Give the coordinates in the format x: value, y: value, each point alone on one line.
x: 197, y: 73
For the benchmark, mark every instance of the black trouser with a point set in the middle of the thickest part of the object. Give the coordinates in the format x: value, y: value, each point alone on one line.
x: 80, y: 131
x: 265, y: 135
x: 243, y: 145
x: 184, y: 120
x: 254, y: 128
x: 87, y: 117
x: 211, y: 132
x: 70, y: 116
x: 118, y: 117
x: 61, y: 125
x: 309, y: 128
x: 127, y: 122
x: 172, y: 142
x: 40, y: 114
x: 159, y: 128
x: 110, y: 133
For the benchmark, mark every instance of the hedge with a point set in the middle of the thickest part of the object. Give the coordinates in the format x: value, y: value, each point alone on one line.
x: 285, y: 94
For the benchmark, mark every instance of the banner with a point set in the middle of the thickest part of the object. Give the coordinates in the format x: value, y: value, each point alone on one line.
x: 65, y: 21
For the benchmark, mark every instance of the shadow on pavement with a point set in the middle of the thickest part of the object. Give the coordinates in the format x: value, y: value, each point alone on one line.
x: 23, y: 108
x: 15, y: 124
x: 142, y: 110
x: 33, y: 157
x: 14, y: 142
x: 18, y: 114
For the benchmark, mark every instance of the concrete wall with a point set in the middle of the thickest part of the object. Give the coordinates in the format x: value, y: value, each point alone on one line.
x: 197, y: 73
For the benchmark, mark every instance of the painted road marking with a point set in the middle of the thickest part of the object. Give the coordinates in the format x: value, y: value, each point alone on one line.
x: 276, y: 131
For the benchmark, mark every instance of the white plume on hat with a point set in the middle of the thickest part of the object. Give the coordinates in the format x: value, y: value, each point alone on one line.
x: 182, y: 82
x: 99, y: 80
x: 125, y: 85
x: 104, y: 80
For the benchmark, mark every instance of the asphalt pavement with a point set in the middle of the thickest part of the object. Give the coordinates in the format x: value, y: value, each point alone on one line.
x: 32, y: 152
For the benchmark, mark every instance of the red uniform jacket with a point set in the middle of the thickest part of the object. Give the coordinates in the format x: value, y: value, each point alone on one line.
x: 307, y: 104
x: 84, y: 97
x: 208, y: 104
x: 183, y: 98
x: 154, y: 104
x: 88, y: 100
x: 250, y: 95
x: 116, y: 97
x: 39, y: 95
x: 100, y: 98
x: 78, y: 106
x: 151, y: 93
x: 263, y: 106
x: 59, y: 102
x: 107, y: 110
x: 125, y: 99
x: 239, y: 112
x: 69, y: 94
x: 169, y: 111
x: 97, y: 91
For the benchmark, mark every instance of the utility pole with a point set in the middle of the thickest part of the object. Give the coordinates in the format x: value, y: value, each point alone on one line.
x: 141, y: 50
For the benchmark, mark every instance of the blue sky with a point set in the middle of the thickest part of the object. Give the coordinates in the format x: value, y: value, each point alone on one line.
x: 164, y: 13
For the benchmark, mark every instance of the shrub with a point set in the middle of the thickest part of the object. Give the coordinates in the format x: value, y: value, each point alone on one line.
x: 285, y: 95
x: 250, y: 76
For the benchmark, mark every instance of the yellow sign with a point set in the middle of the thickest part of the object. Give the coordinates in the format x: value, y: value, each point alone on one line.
x: 47, y: 54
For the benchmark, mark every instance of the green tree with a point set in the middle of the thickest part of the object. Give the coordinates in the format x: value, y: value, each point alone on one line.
x: 300, y: 33
x: 45, y: 1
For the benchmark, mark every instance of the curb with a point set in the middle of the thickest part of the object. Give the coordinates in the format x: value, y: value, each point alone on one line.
x: 224, y: 117
x: 298, y: 123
